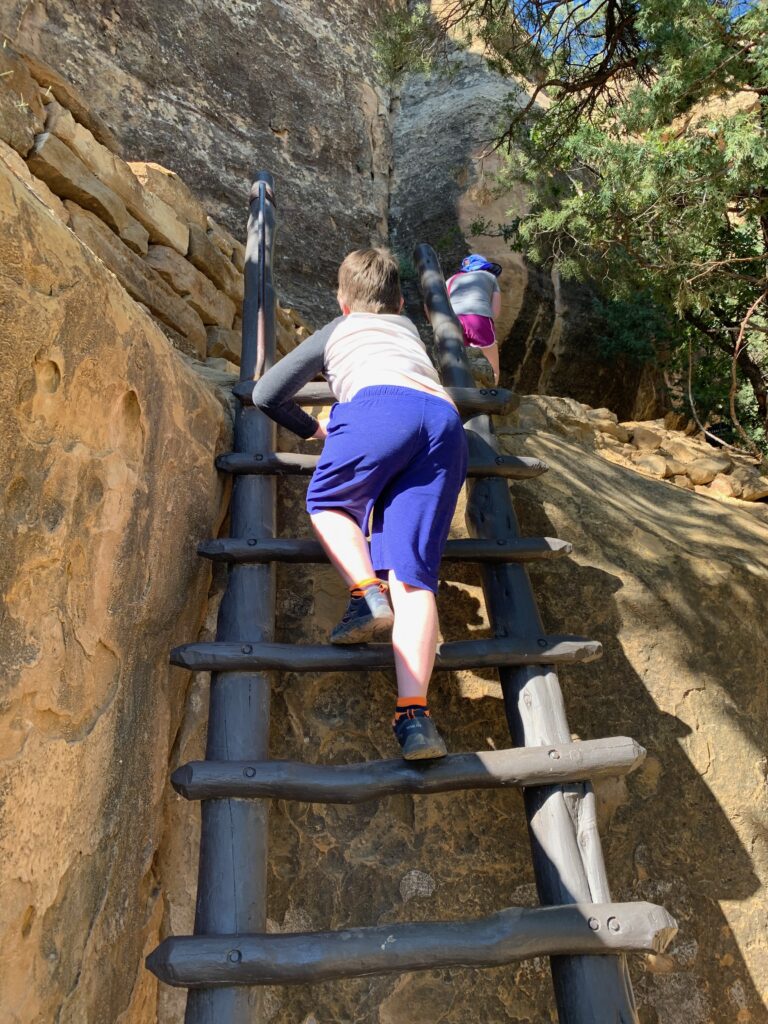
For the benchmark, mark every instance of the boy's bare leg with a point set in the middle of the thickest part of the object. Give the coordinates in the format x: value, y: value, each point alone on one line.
x: 491, y: 353
x: 344, y: 544
x: 414, y: 636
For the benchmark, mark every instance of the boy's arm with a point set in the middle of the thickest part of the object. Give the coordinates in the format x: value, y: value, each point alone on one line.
x: 273, y: 393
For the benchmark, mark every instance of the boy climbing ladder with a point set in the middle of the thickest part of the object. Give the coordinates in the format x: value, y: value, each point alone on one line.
x: 395, y: 456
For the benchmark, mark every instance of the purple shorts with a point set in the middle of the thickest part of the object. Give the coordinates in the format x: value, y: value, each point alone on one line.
x: 401, y: 454
x: 479, y: 331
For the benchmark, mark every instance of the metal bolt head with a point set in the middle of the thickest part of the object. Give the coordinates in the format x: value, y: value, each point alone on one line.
x: 249, y: 772
x: 613, y: 924
x: 494, y: 391
x: 501, y: 542
x: 234, y: 956
x: 594, y: 924
x: 555, y: 755
x: 247, y: 649
x: 541, y: 642
x: 259, y: 458
x: 252, y: 542
x: 499, y: 460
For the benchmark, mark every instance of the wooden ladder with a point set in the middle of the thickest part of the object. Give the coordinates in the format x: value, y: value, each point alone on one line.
x: 230, y: 953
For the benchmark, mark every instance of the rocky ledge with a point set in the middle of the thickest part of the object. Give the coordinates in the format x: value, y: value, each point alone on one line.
x: 672, y: 448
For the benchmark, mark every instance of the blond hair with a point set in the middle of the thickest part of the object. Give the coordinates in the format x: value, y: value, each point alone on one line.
x: 369, y: 281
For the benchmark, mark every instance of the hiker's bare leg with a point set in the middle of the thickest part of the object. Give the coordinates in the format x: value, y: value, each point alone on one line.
x: 345, y: 545
x: 491, y: 353
x: 414, y: 636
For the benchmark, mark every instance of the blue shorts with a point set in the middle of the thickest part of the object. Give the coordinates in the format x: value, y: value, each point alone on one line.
x: 401, y: 454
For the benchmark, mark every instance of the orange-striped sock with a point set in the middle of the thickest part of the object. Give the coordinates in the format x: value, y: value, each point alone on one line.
x: 410, y: 707
x: 358, y: 589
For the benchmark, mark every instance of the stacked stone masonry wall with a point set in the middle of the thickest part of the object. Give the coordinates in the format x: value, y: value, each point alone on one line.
x: 139, y: 219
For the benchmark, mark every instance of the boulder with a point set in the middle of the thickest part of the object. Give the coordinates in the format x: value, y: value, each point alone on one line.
x: 704, y: 470
x: 160, y: 221
x: 646, y: 439
x: 681, y: 480
x: 602, y: 415
x: 531, y: 416
x: 21, y: 109
x: 748, y: 484
x: 227, y: 243
x: 215, y: 265
x: 238, y: 256
x: 606, y: 426
x: 220, y: 237
x: 14, y: 163
x: 213, y: 306
x: 722, y: 486
x: 223, y: 366
x: 171, y: 190
x: 69, y: 178
x: 653, y: 465
x: 139, y: 280
x: 683, y: 450
x: 56, y: 86
x: 225, y: 344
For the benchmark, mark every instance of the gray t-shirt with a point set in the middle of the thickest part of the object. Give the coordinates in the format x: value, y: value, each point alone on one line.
x: 473, y: 292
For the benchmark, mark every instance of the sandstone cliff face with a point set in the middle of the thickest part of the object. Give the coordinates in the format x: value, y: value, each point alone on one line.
x: 219, y: 89
x: 443, y: 184
x: 108, y: 440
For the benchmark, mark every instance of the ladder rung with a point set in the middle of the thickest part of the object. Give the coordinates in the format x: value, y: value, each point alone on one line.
x: 288, y: 549
x: 356, y: 783
x: 494, y: 401
x: 518, y: 933
x: 490, y: 653
x: 513, y: 467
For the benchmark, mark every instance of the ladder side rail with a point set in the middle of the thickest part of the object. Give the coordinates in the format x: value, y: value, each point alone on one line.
x: 232, y: 874
x: 567, y: 856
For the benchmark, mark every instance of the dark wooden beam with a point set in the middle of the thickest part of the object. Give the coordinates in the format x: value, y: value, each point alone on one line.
x: 496, y: 401
x: 304, y: 549
x: 490, y: 653
x: 511, y: 467
x: 518, y: 933
x: 356, y: 783
x: 232, y: 874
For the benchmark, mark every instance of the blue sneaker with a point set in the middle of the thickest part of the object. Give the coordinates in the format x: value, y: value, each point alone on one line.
x: 418, y: 736
x: 369, y: 616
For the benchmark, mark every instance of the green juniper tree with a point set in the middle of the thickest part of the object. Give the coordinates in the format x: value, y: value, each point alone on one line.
x: 646, y: 168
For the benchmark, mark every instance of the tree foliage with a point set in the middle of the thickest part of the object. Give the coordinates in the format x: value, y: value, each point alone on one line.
x: 641, y: 141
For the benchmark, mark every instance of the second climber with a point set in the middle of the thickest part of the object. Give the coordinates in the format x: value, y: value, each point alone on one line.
x: 475, y: 298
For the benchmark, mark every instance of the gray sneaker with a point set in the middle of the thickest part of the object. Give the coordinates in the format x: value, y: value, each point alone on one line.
x: 418, y: 737
x: 368, y: 617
